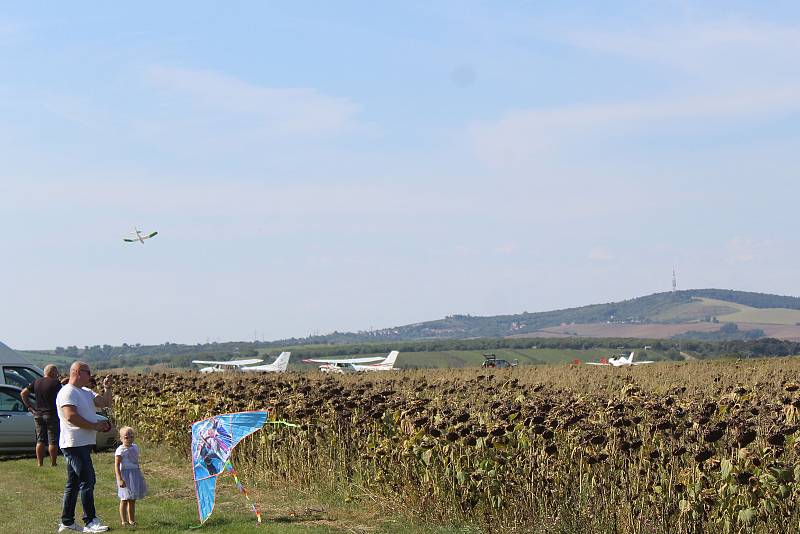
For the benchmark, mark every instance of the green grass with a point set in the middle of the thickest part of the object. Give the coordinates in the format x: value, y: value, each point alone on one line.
x: 474, y: 358
x: 454, y: 358
x: 30, y: 500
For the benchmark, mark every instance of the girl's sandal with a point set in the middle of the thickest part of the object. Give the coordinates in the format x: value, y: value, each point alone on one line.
x: 132, y: 523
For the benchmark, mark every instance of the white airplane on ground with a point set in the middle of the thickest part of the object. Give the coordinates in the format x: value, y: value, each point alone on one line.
x: 278, y: 366
x: 221, y: 367
x: 622, y: 361
x: 139, y: 236
x: 356, y: 365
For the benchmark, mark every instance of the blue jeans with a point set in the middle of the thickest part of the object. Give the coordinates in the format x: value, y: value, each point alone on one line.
x: 80, y: 481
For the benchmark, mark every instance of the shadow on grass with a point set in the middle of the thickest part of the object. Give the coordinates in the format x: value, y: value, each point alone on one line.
x: 298, y: 518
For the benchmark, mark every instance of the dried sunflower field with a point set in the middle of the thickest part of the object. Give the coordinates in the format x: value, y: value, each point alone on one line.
x: 679, y: 447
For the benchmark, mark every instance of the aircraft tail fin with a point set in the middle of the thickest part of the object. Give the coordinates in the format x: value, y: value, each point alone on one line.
x: 390, y: 359
x: 282, y: 361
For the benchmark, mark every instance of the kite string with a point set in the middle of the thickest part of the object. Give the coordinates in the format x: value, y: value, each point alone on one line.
x: 281, y: 422
x: 240, y: 486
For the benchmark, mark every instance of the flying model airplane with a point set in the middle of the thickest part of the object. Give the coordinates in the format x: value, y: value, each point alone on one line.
x: 221, y: 367
x: 622, y: 361
x: 357, y: 365
x: 278, y: 366
x: 139, y: 236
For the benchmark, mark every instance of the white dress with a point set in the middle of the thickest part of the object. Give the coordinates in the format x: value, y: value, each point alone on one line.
x: 135, y: 486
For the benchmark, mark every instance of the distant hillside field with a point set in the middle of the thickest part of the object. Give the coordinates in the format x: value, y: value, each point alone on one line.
x: 658, y: 331
x: 699, y: 309
x: 622, y: 330
x: 748, y: 314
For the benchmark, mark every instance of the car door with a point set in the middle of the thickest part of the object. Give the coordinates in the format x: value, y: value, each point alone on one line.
x: 17, y: 430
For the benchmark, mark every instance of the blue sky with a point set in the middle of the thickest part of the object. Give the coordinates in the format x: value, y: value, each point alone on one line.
x: 320, y: 166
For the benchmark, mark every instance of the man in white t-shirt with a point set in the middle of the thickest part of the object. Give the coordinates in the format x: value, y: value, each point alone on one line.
x: 77, y: 405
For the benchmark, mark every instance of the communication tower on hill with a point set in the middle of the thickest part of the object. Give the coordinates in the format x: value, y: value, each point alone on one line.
x: 674, y: 281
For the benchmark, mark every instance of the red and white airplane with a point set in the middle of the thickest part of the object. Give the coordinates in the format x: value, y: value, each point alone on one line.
x: 622, y: 361
x: 357, y: 365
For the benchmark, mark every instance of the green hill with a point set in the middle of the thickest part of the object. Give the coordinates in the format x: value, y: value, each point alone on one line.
x: 691, y: 305
x: 708, y: 315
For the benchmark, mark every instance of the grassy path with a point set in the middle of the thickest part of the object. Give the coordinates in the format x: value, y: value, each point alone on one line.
x: 30, y: 502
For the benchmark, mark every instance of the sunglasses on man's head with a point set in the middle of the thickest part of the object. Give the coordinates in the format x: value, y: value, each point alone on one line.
x: 87, y: 371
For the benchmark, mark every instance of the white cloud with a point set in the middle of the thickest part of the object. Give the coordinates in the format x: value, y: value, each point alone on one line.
x: 508, y: 248
x: 278, y: 110
x: 601, y: 254
x: 707, y: 46
x: 525, y: 135
x: 9, y: 29
x: 236, y: 200
x: 745, y: 250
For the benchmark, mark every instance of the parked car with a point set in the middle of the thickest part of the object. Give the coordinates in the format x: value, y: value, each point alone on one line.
x: 15, y: 369
x: 17, y: 430
x: 493, y: 362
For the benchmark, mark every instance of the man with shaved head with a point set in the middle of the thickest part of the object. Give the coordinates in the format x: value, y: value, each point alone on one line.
x: 77, y: 405
x: 45, y: 414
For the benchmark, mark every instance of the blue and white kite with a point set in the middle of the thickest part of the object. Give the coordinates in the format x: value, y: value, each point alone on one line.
x: 213, y: 440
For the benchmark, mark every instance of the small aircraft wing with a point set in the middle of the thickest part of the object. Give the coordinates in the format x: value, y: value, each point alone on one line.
x: 233, y: 363
x: 348, y: 360
x: 139, y: 237
x: 643, y: 362
x: 595, y: 363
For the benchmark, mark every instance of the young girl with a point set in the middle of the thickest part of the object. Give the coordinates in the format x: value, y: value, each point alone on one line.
x: 130, y: 481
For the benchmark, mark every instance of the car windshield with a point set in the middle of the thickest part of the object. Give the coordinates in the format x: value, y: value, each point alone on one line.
x: 19, y: 376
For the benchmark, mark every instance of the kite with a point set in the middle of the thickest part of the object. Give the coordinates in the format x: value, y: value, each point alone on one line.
x: 213, y: 440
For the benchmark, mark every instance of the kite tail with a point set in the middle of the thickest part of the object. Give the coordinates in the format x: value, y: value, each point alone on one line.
x: 240, y: 486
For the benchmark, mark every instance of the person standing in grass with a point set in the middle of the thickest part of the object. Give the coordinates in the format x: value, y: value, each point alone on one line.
x: 77, y: 411
x: 45, y: 415
x: 130, y: 482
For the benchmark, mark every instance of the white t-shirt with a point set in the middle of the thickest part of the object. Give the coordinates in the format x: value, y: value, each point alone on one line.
x: 83, y: 400
x: 130, y: 456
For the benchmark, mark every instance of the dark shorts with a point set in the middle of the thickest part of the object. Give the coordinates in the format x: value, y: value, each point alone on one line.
x: 47, y: 428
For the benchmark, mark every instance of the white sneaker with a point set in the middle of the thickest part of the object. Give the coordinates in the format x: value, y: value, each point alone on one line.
x: 95, y: 526
x: 74, y: 527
